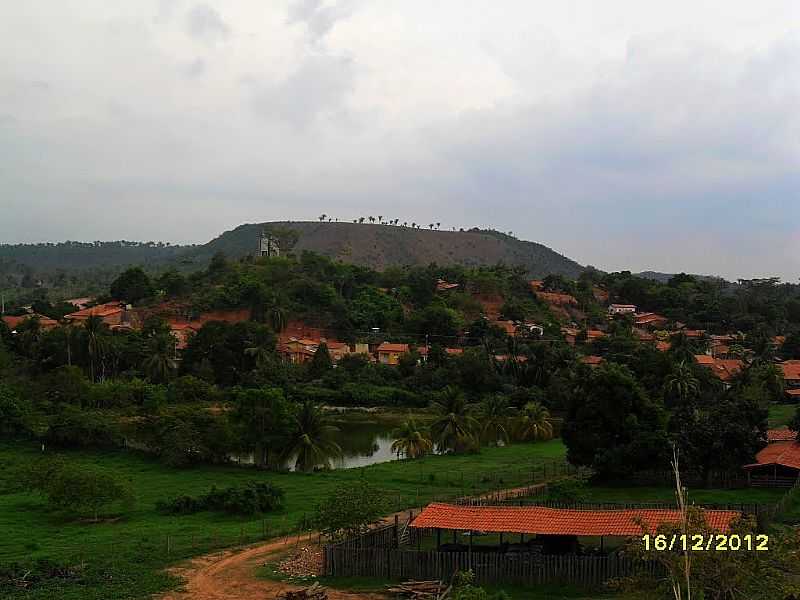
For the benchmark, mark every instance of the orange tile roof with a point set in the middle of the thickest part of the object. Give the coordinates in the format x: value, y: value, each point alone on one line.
x: 694, y: 333
x: 663, y: 346
x: 594, y: 334
x: 44, y: 322
x: 389, y: 347
x: 649, y: 318
x: 541, y: 520
x: 784, y: 434
x: 724, y: 369
x: 101, y: 310
x: 793, y: 392
x: 592, y: 360
x: 791, y: 369
x: 785, y: 454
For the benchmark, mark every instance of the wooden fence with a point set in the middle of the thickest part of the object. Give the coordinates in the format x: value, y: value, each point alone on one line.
x: 521, y: 568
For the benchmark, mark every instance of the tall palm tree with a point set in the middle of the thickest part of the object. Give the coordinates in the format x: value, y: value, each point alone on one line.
x: 681, y: 383
x: 411, y: 441
x: 94, y: 328
x: 160, y: 362
x: 380, y: 218
x: 311, y: 438
x: 454, y: 428
x: 322, y: 217
x: 494, y: 415
x: 533, y: 423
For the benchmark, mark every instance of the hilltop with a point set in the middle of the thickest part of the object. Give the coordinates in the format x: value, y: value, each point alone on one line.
x: 380, y: 246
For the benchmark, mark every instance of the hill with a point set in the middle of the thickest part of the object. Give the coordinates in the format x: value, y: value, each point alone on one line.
x: 381, y: 246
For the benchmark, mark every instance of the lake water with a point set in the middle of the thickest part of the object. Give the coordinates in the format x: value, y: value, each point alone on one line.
x: 362, y: 444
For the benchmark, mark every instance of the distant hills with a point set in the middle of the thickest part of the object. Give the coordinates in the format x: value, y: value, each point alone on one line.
x: 379, y: 246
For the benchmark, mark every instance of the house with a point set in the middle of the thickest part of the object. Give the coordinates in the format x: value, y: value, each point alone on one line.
x: 546, y: 521
x: 298, y: 351
x: 649, y: 320
x: 621, y: 309
x: 592, y: 361
x: 111, y: 313
x: 337, y: 350
x: 14, y: 323
x: 507, y: 326
x: 784, y: 434
x: 389, y: 354
x: 444, y: 286
x: 723, y: 369
x: 594, y: 334
x: 791, y: 373
x: 779, y: 462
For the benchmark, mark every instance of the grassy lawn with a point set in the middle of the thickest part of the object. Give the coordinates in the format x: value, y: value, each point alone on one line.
x: 781, y: 414
x: 698, y: 496
x: 125, y: 558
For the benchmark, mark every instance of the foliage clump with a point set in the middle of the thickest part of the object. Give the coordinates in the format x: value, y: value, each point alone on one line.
x: 249, y: 499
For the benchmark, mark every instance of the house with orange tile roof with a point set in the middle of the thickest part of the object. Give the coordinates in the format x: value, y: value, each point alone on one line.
x: 546, y: 521
x: 389, y: 353
x: 723, y: 369
x: 649, y: 320
x: 592, y: 361
x: 783, y: 434
x: 444, y: 286
x: 14, y: 323
x: 111, y: 313
x: 791, y: 373
x: 778, y: 461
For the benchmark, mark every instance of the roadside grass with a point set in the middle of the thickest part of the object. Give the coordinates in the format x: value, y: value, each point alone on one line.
x: 125, y: 558
x: 696, y: 495
x: 780, y: 414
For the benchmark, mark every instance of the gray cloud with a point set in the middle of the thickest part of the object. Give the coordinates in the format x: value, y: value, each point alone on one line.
x: 625, y: 140
x: 205, y: 23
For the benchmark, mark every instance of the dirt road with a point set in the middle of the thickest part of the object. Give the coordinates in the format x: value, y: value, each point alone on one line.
x: 231, y: 575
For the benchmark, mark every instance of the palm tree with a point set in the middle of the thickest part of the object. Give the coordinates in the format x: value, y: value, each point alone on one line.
x: 277, y: 318
x: 411, y: 441
x: 94, y: 327
x: 311, y: 439
x: 380, y: 218
x: 454, y: 428
x: 431, y: 226
x: 413, y: 225
x: 360, y: 219
x: 438, y: 225
x: 160, y: 363
x: 405, y: 223
x: 371, y: 219
x: 534, y: 423
x: 494, y: 415
x: 322, y: 217
x: 681, y: 383
x: 260, y: 353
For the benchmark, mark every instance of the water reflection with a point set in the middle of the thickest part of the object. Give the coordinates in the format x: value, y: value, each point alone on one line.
x: 362, y: 444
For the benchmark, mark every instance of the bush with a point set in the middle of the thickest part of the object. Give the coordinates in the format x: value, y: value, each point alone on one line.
x: 74, y: 428
x: 350, y: 510
x: 250, y: 499
x: 187, y: 389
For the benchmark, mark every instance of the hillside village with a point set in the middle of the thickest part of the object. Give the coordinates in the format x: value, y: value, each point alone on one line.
x: 255, y: 359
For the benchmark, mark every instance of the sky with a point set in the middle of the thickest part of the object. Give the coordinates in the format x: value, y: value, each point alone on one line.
x: 623, y: 134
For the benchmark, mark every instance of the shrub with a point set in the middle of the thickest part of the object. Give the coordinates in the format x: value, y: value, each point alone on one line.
x: 251, y: 498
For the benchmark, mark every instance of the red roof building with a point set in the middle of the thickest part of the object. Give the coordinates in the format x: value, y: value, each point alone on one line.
x: 784, y: 434
x: 723, y: 369
x: 44, y: 322
x: 649, y: 319
x: 592, y: 361
x: 778, y: 458
x: 540, y: 520
x: 791, y: 372
x: 389, y: 354
x: 111, y: 313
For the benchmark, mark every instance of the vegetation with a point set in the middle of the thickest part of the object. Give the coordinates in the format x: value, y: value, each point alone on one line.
x: 350, y: 510
x: 255, y: 497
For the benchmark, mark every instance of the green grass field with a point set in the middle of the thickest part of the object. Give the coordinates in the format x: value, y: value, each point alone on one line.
x: 126, y: 557
x: 781, y: 414
x: 698, y: 496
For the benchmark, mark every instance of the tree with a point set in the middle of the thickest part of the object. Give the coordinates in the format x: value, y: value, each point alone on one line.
x: 94, y: 328
x: 160, y: 363
x: 350, y: 510
x: 265, y: 421
x: 321, y: 362
x: 681, y: 384
x: 454, y: 428
x: 533, y: 423
x: 132, y: 285
x: 311, y: 439
x: 410, y: 441
x: 84, y: 490
x: 75, y: 428
x: 15, y: 414
x: 794, y: 424
x: 613, y: 426
x: 494, y: 415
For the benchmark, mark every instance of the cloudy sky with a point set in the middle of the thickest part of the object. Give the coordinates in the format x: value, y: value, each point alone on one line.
x: 624, y: 134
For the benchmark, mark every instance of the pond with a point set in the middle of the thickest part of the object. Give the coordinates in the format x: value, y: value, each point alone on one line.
x: 363, y: 442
